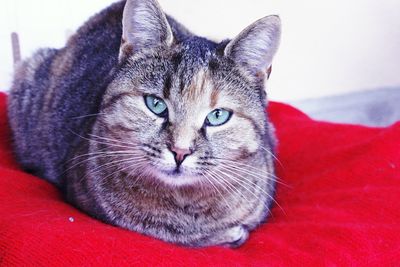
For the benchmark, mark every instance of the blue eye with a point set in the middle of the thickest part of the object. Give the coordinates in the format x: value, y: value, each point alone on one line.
x: 218, y: 117
x: 156, y: 105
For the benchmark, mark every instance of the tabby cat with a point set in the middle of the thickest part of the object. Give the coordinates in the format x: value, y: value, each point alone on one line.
x: 146, y: 126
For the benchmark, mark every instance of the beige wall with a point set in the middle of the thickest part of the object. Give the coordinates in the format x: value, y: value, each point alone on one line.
x: 328, y: 47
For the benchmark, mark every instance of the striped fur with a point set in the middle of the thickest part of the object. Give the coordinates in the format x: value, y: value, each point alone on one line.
x: 79, y: 120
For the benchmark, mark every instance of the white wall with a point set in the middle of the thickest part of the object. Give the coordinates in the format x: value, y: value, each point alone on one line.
x: 328, y: 47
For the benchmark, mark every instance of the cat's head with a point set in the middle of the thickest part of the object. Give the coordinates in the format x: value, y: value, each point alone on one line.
x: 180, y: 106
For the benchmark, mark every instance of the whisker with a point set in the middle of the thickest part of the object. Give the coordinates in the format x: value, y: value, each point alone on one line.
x: 112, y: 173
x: 87, y: 115
x: 100, y: 142
x: 239, y: 178
x: 216, y: 188
x: 230, y: 185
x: 251, y: 167
x: 121, y: 169
x: 112, y: 152
x: 110, y: 165
x: 98, y: 155
x: 272, y: 154
x: 114, y: 163
x: 136, y: 177
x: 240, y: 182
x: 112, y: 140
x: 270, y: 177
x: 111, y: 144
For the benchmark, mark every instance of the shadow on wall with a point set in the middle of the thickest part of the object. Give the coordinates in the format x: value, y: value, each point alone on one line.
x: 378, y: 107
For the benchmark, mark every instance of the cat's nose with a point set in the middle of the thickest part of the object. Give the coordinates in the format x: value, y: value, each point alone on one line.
x: 180, y: 154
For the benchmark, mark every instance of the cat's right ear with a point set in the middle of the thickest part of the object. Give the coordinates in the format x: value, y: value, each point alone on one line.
x: 144, y: 25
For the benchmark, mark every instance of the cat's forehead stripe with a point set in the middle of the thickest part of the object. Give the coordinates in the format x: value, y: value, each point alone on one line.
x: 201, y: 88
x: 195, y: 87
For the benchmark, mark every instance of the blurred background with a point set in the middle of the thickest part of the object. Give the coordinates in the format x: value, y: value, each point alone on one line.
x: 335, y: 56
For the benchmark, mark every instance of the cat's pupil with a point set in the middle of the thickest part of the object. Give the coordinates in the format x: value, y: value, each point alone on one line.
x: 217, y: 113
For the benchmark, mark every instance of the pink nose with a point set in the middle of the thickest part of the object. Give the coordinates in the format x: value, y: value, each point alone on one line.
x: 180, y: 154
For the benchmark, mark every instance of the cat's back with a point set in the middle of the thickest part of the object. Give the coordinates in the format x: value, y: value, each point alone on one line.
x: 55, y: 87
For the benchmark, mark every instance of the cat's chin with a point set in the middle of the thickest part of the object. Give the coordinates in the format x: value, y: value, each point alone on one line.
x: 176, y: 178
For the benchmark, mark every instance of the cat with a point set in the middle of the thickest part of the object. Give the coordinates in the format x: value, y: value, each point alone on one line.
x: 146, y: 126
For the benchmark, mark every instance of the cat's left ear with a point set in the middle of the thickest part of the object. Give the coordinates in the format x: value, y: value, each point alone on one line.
x: 256, y: 45
x: 144, y: 25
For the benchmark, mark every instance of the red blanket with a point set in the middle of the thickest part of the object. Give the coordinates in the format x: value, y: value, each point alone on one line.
x: 341, y: 206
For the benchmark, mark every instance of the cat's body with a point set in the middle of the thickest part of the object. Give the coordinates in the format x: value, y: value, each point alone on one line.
x: 79, y: 119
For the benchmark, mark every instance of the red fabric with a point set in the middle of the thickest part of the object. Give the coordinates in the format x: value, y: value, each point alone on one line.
x: 341, y: 206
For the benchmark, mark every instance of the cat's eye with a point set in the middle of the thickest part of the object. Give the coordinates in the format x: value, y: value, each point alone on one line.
x: 156, y: 105
x: 218, y: 117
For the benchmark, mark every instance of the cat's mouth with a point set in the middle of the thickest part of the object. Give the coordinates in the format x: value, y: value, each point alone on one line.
x: 177, y: 176
x: 176, y: 172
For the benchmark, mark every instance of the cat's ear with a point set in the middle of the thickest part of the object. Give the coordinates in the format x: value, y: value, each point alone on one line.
x: 144, y: 25
x: 256, y: 45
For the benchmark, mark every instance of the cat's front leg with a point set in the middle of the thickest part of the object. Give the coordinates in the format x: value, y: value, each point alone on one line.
x: 235, y: 237
x: 231, y: 237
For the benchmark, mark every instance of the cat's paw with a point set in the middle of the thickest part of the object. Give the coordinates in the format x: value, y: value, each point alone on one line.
x: 236, y: 236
